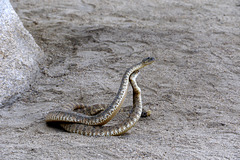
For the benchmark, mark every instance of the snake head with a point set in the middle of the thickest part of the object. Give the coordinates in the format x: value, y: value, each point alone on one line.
x: 148, y: 60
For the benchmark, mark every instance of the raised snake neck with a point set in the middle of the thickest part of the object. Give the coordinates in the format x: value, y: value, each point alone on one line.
x: 117, y: 129
x: 105, y: 116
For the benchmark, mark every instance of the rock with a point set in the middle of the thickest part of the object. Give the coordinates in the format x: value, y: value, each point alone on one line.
x: 19, y: 55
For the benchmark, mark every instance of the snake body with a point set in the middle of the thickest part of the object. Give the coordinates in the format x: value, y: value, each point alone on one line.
x: 117, y: 129
x: 106, y: 115
x: 97, y: 108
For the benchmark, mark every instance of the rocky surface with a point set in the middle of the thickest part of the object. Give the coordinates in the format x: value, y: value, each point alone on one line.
x: 192, y: 88
x: 19, y: 55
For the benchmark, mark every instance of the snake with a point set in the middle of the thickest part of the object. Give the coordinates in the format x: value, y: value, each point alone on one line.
x: 106, y: 115
x: 117, y: 129
x: 97, y: 108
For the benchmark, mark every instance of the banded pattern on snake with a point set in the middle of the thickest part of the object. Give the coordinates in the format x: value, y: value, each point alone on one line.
x: 97, y: 108
x: 105, y: 116
x: 117, y: 129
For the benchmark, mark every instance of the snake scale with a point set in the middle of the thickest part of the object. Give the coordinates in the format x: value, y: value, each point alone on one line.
x: 91, y: 125
x: 96, y: 109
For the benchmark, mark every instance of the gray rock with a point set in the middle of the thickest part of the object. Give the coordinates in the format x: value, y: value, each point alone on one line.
x: 19, y: 55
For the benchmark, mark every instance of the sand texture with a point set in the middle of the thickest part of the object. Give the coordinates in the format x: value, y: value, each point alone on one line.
x: 193, y: 88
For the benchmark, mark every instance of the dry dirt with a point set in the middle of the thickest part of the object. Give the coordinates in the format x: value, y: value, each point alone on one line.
x: 192, y: 88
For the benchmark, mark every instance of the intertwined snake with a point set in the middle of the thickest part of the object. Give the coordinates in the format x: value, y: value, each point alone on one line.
x: 70, y: 120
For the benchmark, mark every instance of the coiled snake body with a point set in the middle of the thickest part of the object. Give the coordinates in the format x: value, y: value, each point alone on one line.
x: 86, y: 125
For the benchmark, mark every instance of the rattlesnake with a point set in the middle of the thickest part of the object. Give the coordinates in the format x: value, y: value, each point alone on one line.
x: 97, y: 108
x: 105, y: 116
x: 117, y: 129
x: 70, y: 120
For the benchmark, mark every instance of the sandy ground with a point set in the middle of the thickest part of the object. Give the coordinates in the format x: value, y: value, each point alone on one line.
x: 192, y: 88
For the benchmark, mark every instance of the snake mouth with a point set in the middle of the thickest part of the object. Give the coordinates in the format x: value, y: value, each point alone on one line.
x: 148, y: 60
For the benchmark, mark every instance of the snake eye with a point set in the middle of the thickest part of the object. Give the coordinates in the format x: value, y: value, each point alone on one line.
x: 148, y: 60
